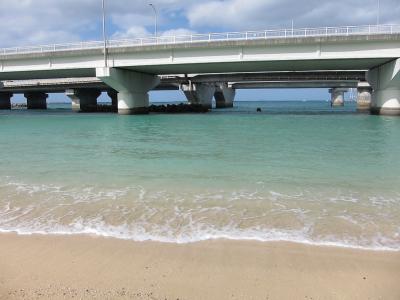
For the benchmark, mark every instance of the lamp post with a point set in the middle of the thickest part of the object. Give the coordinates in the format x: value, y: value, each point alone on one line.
x: 292, y: 27
x: 378, y: 16
x: 104, y: 32
x: 155, y: 19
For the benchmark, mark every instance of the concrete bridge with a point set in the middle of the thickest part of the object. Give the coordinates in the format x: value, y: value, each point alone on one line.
x: 211, y: 65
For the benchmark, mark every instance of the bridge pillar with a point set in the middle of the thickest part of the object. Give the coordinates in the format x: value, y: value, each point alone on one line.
x: 364, y: 96
x: 5, y: 100
x: 83, y: 100
x: 224, y: 96
x: 132, y: 88
x: 337, y: 96
x: 199, y: 93
x: 36, y: 100
x: 385, y: 80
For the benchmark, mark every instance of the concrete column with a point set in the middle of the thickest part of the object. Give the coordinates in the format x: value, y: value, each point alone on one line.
x: 224, y: 96
x: 364, y: 97
x: 199, y: 93
x: 5, y: 100
x: 113, y: 94
x: 132, y: 88
x: 36, y: 100
x: 83, y: 100
x: 337, y: 96
x: 385, y: 81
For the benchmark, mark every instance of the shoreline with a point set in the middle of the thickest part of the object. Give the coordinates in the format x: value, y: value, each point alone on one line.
x: 91, y: 267
x: 211, y: 239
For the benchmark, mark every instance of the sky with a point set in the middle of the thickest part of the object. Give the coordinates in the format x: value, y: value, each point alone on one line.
x: 34, y: 22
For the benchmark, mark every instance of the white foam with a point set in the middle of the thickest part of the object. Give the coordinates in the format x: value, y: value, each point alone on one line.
x: 182, y: 217
x: 273, y: 236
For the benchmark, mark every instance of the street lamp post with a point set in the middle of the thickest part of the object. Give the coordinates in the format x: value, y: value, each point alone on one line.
x: 155, y: 20
x: 292, y: 27
x: 378, y: 16
x: 104, y: 33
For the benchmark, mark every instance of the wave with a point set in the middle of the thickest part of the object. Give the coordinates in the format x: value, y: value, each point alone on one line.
x: 271, y: 236
x: 139, y: 214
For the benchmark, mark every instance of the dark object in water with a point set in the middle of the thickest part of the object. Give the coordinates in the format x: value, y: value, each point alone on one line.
x: 259, y: 109
x: 19, y: 105
x: 178, y: 108
x: 104, y: 108
x: 167, y: 109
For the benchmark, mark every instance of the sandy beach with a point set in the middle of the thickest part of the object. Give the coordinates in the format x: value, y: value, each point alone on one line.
x: 66, y: 267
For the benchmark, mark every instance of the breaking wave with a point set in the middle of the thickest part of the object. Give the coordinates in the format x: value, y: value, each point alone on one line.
x: 139, y: 214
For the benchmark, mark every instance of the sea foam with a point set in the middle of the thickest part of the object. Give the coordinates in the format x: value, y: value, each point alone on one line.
x: 134, y: 213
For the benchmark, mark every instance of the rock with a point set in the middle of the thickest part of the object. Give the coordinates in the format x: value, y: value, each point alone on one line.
x: 177, y: 108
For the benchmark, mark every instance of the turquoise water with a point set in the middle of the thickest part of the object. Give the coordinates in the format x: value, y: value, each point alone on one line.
x: 298, y: 171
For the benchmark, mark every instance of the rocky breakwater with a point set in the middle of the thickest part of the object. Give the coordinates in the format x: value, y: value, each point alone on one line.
x: 162, y: 109
x: 178, y: 108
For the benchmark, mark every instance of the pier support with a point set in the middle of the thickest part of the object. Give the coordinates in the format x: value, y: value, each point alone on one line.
x: 83, y: 100
x: 132, y: 88
x: 5, y: 100
x: 36, y: 100
x: 199, y: 93
x: 364, y: 97
x: 224, y: 96
x: 385, y: 81
x: 337, y: 96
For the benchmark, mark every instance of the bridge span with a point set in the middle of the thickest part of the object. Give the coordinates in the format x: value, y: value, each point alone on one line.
x: 366, y: 57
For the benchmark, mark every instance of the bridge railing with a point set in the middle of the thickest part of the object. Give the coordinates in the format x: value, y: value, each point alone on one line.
x: 212, y: 37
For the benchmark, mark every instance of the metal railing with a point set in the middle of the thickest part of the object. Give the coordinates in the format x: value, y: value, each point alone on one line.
x: 211, y: 37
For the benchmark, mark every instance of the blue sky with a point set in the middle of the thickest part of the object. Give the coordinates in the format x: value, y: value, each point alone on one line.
x: 32, y: 22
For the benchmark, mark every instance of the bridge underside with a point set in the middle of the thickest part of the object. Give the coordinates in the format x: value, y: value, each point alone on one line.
x: 320, y: 84
x: 315, y: 79
x: 263, y: 66
x: 212, y: 67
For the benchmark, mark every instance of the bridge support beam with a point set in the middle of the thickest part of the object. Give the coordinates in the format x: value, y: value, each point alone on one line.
x: 364, y: 97
x: 5, y: 100
x: 36, y: 100
x: 337, y: 96
x: 199, y: 93
x: 132, y: 88
x: 385, y: 80
x: 83, y: 100
x: 224, y: 96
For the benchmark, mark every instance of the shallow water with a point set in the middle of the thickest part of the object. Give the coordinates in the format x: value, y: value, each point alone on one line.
x: 298, y: 171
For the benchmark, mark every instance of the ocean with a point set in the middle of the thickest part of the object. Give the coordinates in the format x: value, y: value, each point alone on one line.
x: 298, y: 171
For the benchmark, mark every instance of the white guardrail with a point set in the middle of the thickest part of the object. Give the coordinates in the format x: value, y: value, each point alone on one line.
x: 212, y: 37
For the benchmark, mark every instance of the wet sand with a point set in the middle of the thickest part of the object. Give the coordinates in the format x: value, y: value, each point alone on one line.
x: 66, y: 267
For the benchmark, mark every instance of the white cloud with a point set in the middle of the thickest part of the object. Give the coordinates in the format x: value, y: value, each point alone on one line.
x: 178, y: 32
x: 131, y: 33
x: 140, y: 32
x: 26, y: 22
x: 263, y: 14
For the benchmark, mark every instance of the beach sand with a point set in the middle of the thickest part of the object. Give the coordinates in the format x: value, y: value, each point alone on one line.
x: 80, y: 267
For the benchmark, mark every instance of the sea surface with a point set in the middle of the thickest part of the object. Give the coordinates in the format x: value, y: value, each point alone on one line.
x: 297, y: 171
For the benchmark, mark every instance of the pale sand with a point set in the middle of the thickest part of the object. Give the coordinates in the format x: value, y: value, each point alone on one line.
x: 55, y: 267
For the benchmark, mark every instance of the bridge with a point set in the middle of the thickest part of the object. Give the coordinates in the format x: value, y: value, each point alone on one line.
x: 205, y: 66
